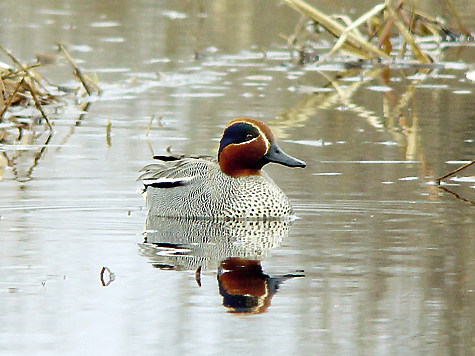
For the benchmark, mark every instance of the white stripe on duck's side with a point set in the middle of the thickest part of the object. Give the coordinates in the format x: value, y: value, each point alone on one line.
x: 166, y: 182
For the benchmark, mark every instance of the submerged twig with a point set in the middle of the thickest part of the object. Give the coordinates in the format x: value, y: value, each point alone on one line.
x: 108, y: 133
x: 438, y: 180
x: 198, y: 276
x: 458, y: 196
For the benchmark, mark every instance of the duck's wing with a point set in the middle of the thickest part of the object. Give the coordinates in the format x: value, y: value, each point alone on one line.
x: 174, y: 171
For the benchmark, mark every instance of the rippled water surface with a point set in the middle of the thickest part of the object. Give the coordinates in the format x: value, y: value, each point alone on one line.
x: 380, y: 261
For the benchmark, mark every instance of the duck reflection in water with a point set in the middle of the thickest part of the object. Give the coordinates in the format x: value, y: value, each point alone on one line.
x: 233, y: 248
x: 245, y: 287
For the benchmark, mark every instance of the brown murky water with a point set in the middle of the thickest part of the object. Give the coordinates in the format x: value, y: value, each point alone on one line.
x: 387, y: 258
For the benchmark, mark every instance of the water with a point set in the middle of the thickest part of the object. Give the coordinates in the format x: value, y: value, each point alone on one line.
x: 387, y: 256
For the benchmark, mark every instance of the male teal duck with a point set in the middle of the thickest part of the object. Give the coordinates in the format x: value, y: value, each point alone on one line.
x: 231, y: 187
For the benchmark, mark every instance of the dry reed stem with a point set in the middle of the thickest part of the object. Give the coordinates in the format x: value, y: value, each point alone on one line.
x: 38, y: 106
x: 149, y: 127
x: 354, y: 26
x: 25, y: 69
x: 109, y: 133
x: 348, y: 22
x: 82, y: 78
x: 454, y: 14
x: 438, y: 180
x: 408, y: 38
x: 335, y: 28
x: 3, y: 89
x: 384, y: 38
x: 18, y: 71
x: 409, y: 23
x: 10, y: 99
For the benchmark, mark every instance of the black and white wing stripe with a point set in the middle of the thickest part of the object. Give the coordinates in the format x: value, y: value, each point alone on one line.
x: 173, y: 172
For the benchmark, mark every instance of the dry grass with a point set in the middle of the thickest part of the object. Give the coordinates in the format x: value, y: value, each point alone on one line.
x: 26, y: 106
x: 375, y: 34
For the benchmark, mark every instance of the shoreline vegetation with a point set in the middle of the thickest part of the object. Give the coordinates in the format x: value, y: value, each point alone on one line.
x: 388, y: 31
x: 29, y: 104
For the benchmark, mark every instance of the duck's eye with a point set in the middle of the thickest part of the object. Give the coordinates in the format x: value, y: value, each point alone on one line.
x: 249, y: 137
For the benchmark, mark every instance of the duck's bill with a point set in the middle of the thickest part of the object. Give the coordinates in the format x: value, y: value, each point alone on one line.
x: 276, y: 155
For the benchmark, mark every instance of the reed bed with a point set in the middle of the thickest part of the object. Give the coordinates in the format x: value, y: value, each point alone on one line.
x: 387, y: 31
x: 28, y: 107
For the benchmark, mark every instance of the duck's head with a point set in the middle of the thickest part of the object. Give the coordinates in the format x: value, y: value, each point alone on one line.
x: 247, y: 145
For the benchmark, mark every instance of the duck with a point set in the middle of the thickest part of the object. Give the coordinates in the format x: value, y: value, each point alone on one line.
x: 231, y: 186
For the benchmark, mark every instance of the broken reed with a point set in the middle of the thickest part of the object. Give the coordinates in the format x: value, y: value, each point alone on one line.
x: 381, y: 25
x: 440, y: 182
x: 21, y: 85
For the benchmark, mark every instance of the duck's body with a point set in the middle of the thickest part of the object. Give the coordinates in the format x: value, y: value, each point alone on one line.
x: 210, y: 193
x: 232, y: 187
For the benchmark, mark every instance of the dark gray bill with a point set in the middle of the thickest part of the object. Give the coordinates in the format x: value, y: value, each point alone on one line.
x: 276, y: 155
